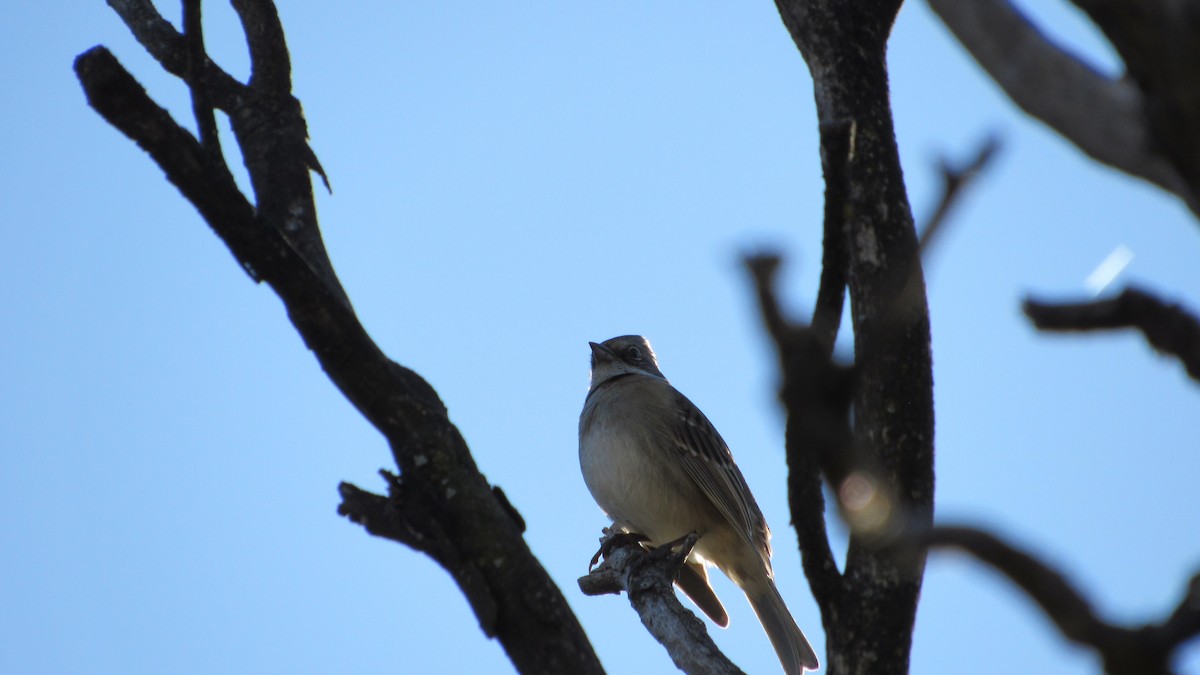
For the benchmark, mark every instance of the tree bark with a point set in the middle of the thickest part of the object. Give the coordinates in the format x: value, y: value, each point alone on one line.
x: 869, y: 616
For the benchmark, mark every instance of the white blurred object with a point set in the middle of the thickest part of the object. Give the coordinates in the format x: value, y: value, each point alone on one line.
x: 1109, y: 269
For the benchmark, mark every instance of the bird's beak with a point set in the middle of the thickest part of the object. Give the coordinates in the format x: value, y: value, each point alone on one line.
x: 601, y: 353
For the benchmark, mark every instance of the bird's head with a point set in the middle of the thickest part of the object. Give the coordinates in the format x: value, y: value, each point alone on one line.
x: 625, y: 355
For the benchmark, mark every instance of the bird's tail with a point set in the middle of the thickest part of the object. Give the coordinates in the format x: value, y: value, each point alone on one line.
x: 789, y: 642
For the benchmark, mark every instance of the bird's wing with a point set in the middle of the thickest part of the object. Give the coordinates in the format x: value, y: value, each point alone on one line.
x: 707, y: 459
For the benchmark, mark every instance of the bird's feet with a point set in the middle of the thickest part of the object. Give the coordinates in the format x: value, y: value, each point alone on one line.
x: 614, y: 538
x: 685, y: 544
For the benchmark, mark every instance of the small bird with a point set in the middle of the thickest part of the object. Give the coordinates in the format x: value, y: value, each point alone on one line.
x: 659, y: 469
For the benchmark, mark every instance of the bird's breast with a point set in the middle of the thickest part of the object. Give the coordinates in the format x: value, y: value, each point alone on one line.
x: 632, y: 472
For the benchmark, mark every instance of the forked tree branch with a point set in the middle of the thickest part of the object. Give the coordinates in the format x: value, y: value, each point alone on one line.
x: 443, y: 506
x: 168, y: 47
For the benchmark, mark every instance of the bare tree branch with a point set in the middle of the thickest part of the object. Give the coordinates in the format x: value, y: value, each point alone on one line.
x: 869, y: 627
x: 1103, y: 117
x: 273, y: 136
x: 1138, y: 650
x: 450, y: 511
x: 1168, y: 327
x: 648, y: 578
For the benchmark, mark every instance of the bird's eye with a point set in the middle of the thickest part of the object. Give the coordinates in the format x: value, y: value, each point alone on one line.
x: 633, y: 353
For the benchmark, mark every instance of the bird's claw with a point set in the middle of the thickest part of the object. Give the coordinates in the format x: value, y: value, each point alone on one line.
x: 615, y: 539
x: 685, y: 544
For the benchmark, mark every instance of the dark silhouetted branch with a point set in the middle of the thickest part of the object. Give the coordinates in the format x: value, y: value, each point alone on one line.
x: 169, y: 48
x: 1184, y: 623
x: 443, y: 506
x: 1159, y: 41
x: 197, y: 57
x: 1168, y: 327
x: 1141, y: 650
x: 1061, y: 602
x: 123, y: 103
x: 1104, y: 117
x: 270, y: 63
x: 816, y: 396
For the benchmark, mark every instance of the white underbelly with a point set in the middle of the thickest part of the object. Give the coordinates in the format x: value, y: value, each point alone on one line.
x: 643, y: 492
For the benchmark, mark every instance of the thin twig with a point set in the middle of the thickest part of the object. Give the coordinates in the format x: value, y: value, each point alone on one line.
x: 954, y: 180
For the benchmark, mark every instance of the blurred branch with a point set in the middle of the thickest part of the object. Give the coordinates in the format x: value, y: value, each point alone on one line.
x: 1159, y: 41
x: 955, y: 179
x: 1169, y: 328
x: 816, y: 395
x: 648, y: 578
x: 1062, y: 603
x: 1105, y: 118
x: 443, y: 506
x: 1140, y: 650
x: 1184, y: 623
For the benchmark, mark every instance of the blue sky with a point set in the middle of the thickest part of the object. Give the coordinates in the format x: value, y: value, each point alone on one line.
x: 510, y: 183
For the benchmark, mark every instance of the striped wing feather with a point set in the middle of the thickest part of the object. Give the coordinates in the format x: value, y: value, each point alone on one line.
x: 707, y: 459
